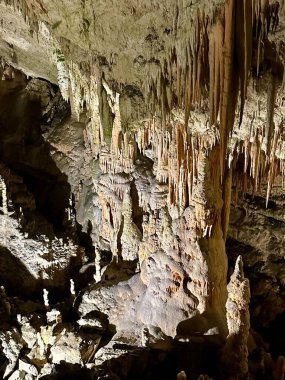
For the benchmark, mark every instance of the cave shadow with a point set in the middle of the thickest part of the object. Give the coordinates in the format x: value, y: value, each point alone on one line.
x: 260, y: 201
x: 68, y: 371
x: 24, y: 150
x: 85, y: 240
x: 274, y: 334
x: 15, y: 277
x: 19, y: 281
x: 197, y: 325
x: 196, y: 350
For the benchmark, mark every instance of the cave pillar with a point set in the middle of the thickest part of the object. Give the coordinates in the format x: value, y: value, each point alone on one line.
x: 204, y: 241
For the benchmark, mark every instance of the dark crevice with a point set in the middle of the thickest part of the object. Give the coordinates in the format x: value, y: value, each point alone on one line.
x: 25, y: 151
x: 137, y: 210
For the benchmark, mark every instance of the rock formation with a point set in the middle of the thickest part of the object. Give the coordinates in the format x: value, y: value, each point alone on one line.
x: 142, y: 160
x: 235, y: 351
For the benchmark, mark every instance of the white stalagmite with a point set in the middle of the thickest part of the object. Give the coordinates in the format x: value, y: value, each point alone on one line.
x: 3, y: 190
x: 72, y: 289
x: 45, y: 297
x: 4, y: 196
x: 97, y: 275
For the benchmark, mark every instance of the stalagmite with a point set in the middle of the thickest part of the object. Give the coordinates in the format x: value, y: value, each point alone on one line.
x: 131, y: 235
x: 4, y: 196
x: 279, y: 372
x: 45, y: 297
x: 97, y: 275
x: 235, y: 352
x: 72, y: 289
x: 181, y: 376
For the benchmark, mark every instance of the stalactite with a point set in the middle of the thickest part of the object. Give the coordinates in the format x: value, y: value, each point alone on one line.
x: 177, y: 154
x: 272, y: 162
x: 77, y: 89
x: 261, y: 22
x: 261, y: 141
x: 216, y: 70
x: 182, y: 74
x: 243, y: 44
x: 261, y: 165
x: 227, y: 190
x: 227, y: 95
x: 30, y: 10
x: 62, y: 73
x: 123, y: 150
x: 271, y: 98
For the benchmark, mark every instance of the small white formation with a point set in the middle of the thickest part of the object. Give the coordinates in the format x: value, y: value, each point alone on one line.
x: 72, y: 288
x: 53, y: 317
x: 45, y: 297
x: 4, y: 196
x: 97, y: 275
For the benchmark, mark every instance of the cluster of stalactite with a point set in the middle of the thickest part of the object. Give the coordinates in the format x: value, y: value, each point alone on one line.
x: 208, y: 54
x: 84, y: 91
x: 265, y: 18
x: 177, y: 150
x: 121, y: 160
x: 219, y: 52
x: 30, y: 9
x: 258, y: 166
x: 111, y: 216
x: 121, y: 155
x: 257, y: 147
x: 181, y: 77
x: 214, y: 59
x: 230, y: 63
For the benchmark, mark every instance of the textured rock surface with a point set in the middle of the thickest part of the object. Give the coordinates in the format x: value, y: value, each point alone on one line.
x: 126, y: 162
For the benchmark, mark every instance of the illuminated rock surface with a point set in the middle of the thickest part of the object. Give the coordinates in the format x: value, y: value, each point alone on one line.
x: 142, y: 166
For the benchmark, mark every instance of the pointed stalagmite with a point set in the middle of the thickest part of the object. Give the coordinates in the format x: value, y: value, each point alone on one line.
x: 234, y: 358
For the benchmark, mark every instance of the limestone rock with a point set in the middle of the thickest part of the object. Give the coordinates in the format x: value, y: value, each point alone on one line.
x: 235, y: 352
